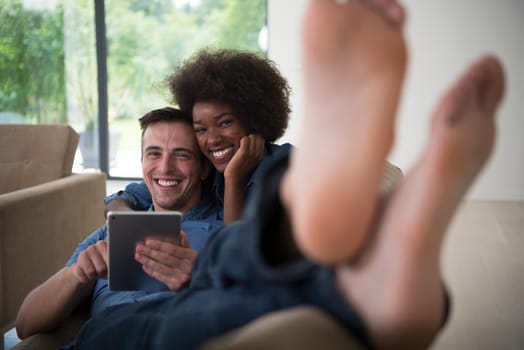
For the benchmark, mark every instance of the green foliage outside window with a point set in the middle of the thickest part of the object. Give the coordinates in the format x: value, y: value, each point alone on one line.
x: 48, y: 62
x: 32, y: 72
x: 147, y: 39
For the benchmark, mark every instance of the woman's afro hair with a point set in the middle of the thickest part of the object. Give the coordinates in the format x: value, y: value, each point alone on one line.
x: 250, y: 84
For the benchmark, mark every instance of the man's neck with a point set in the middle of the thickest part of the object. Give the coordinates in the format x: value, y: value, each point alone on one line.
x: 181, y: 209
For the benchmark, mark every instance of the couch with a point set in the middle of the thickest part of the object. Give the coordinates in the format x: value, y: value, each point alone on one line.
x: 45, y: 209
x: 304, y: 327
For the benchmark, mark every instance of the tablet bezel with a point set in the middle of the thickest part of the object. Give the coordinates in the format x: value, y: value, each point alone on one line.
x: 124, y: 230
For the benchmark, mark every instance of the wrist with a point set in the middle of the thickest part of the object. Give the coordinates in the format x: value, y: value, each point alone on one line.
x: 235, y: 180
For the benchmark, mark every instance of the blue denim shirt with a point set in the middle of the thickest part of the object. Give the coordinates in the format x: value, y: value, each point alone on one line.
x: 198, y: 224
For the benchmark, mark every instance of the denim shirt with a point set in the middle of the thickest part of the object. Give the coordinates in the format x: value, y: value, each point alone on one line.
x: 198, y: 224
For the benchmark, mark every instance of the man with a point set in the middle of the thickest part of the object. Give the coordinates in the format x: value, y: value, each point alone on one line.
x: 173, y: 169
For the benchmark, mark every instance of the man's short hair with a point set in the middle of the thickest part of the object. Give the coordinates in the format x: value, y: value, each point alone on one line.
x: 167, y: 114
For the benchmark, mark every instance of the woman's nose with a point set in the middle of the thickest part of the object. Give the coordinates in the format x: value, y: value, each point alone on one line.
x: 213, y: 137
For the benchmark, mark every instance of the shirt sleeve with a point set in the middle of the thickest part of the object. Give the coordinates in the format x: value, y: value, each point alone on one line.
x: 98, y: 235
x: 136, y: 194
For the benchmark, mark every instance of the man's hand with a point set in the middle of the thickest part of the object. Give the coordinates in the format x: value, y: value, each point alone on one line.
x: 166, y: 260
x: 247, y: 157
x: 91, y: 263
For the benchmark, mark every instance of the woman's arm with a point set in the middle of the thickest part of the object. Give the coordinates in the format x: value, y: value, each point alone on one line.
x: 135, y: 196
x: 237, y: 174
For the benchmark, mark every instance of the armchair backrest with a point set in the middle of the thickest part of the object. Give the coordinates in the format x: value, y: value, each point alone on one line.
x: 34, y: 154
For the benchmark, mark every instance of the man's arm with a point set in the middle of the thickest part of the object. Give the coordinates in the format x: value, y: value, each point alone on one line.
x: 53, y: 301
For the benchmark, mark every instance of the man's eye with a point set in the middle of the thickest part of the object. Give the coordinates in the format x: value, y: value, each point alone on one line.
x: 200, y: 130
x: 152, y: 154
x: 183, y: 156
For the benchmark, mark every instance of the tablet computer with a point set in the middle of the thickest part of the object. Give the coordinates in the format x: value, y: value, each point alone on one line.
x: 125, y: 229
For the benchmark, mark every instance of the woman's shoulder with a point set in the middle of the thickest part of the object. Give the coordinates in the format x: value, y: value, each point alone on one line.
x: 274, y: 150
x: 273, y: 153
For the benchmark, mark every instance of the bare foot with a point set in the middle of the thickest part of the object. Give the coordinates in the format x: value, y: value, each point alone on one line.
x: 396, y: 284
x: 354, y: 62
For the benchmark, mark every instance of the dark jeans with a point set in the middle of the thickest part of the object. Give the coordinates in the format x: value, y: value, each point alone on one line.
x: 244, y: 272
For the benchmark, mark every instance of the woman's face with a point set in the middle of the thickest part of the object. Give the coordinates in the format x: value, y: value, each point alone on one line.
x: 218, y: 131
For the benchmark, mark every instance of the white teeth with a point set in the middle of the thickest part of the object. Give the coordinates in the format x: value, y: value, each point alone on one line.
x: 222, y: 153
x: 167, y: 183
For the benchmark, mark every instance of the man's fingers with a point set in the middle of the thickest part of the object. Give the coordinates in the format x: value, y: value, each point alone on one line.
x: 184, y: 242
x: 92, y: 262
x: 162, y: 250
x: 174, y: 279
x: 182, y: 266
x: 167, y: 261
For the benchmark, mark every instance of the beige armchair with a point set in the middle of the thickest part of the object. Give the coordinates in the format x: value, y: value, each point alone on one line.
x: 45, y: 209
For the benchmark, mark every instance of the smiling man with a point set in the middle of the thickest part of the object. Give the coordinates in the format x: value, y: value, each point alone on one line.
x: 173, y: 169
x: 172, y: 165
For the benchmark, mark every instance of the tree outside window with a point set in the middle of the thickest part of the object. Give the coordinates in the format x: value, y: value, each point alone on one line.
x: 48, y: 71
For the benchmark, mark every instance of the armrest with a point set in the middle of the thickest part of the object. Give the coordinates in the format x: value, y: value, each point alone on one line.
x: 58, y: 338
x: 302, y: 327
x: 40, y: 226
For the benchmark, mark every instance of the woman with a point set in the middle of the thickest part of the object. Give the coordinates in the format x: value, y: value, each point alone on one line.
x: 240, y: 105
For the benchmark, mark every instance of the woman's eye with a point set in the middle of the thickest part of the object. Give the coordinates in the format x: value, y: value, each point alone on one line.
x: 225, y: 122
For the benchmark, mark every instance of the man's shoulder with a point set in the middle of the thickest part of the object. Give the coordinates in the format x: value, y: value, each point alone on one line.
x: 99, y: 234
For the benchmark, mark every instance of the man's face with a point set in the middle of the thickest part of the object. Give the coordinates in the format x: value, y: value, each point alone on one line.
x: 172, y: 166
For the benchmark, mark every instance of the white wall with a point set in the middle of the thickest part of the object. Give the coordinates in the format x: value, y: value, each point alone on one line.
x: 444, y: 37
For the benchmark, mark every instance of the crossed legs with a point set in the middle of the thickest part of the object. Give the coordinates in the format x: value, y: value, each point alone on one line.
x: 354, y: 65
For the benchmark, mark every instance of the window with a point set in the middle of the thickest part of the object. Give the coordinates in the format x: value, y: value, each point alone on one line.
x: 51, y: 72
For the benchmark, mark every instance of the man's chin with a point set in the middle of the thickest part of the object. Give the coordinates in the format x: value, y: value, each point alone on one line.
x: 165, y: 205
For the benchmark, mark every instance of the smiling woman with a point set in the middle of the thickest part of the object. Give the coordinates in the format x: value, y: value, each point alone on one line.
x: 219, y: 131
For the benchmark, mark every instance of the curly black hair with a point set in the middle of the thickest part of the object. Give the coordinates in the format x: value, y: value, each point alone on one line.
x: 250, y: 84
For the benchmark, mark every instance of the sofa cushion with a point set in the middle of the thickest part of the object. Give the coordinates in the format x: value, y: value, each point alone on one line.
x: 34, y: 154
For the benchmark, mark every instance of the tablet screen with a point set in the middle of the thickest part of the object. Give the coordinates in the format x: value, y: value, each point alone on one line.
x: 125, y: 229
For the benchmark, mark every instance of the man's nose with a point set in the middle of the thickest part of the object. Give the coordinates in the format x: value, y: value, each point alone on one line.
x: 167, y: 164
